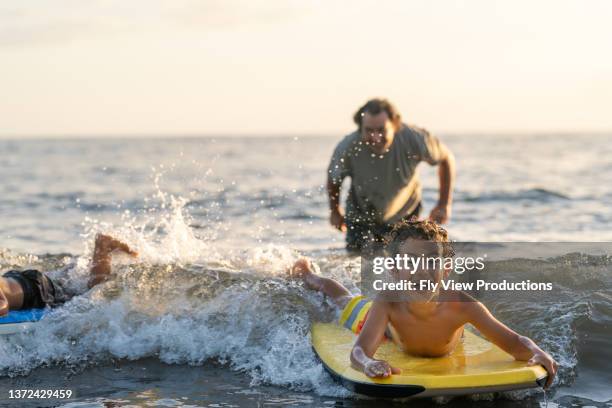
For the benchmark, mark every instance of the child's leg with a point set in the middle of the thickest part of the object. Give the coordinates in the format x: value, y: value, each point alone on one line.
x: 339, y: 294
x: 101, y: 262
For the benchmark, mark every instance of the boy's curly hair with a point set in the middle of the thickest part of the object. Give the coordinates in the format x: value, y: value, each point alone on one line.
x: 419, y: 229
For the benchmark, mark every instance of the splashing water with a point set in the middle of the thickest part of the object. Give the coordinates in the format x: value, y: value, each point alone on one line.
x: 182, y: 302
x: 209, y: 284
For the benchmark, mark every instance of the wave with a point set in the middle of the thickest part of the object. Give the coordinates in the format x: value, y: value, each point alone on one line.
x: 532, y: 194
x: 188, y: 302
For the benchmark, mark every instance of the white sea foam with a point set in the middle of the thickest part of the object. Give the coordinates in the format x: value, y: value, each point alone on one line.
x: 251, y: 317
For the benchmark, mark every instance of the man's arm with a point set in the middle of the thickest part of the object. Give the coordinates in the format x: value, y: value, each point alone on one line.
x: 446, y: 173
x: 362, y: 354
x: 336, y: 215
x: 520, y: 347
x: 336, y: 172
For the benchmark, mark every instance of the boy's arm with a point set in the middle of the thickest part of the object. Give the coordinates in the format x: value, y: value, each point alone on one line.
x: 520, y: 347
x: 4, y: 306
x: 372, y: 333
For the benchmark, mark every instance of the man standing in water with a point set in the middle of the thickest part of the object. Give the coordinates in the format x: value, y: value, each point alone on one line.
x: 381, y: 157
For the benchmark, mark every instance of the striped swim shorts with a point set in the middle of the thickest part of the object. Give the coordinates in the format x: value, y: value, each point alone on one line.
x: 355, y: 313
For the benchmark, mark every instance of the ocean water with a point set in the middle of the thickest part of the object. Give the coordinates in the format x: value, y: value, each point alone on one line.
x: 205, y: 316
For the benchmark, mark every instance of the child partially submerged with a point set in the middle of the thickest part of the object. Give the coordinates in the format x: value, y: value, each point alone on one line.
x: 32, y: 289
x: 422, y: 325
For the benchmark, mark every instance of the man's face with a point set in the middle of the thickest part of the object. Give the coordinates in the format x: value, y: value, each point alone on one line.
x: 377, y: 132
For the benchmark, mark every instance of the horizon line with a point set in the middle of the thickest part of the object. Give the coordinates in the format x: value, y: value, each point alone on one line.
x: 179, y: 135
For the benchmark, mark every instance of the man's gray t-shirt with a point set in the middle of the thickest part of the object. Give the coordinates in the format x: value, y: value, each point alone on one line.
x: 384, y: 187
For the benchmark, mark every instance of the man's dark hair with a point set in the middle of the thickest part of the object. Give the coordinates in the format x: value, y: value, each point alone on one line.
x: 376, y: 106
x: 419, y: 229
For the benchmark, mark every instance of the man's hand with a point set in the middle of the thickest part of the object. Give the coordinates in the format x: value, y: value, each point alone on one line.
x: 440, y: 213
x: 379, y: 369
x: 336, y: 218
x: 544, y: 359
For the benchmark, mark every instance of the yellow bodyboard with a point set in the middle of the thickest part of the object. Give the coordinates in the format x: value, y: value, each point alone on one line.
x: 476, y: 365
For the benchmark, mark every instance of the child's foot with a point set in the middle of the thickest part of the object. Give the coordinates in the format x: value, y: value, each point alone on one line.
x: 300, y: 268
x: 107, y: 244
x: 303, y: 269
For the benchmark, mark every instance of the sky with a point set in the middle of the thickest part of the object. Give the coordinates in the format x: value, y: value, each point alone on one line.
x: 270, y: 67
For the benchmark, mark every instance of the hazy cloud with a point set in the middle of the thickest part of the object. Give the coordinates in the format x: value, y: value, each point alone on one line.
x: 232, y: 13
x: 61, y: 21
